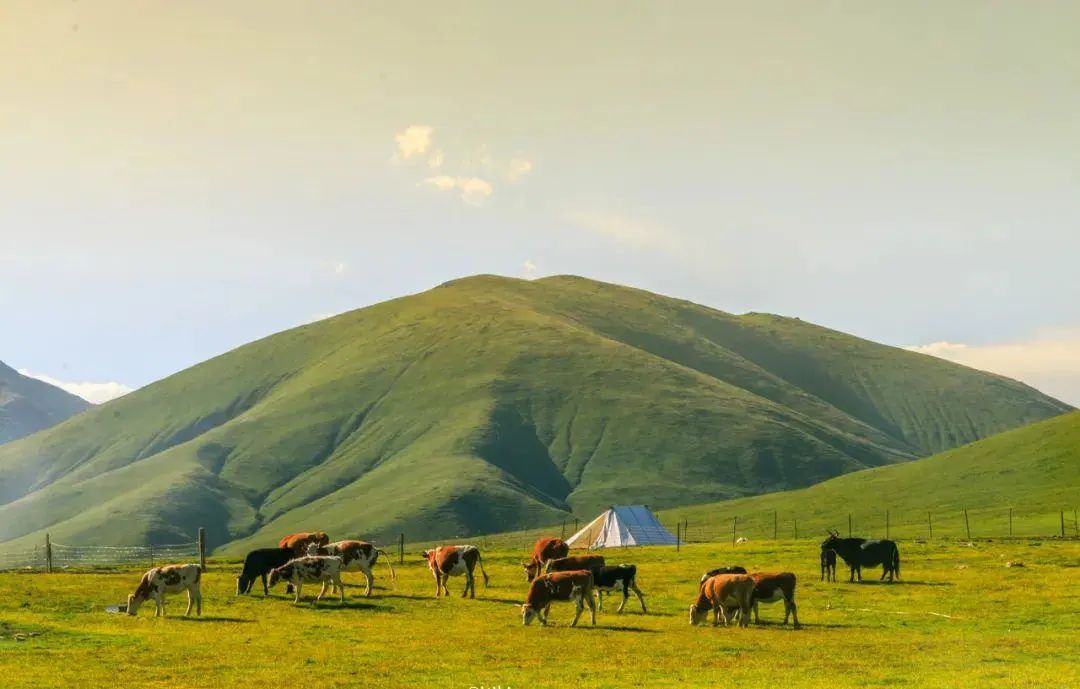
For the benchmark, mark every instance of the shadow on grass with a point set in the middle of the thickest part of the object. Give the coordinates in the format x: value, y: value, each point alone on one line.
x: 905, y: 582
x: 617, y: 628
x: 208, y: 619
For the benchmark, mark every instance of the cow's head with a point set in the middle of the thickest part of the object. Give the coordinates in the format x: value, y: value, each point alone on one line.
x: 429, y: 555
x: 528, y: 614
x: 133, y: 602
x: 277, y: 574
x: 697, y: 616
x: 829, y: 542
x: 241, y: 585
x: 532, y: 570
x: 314, y: 548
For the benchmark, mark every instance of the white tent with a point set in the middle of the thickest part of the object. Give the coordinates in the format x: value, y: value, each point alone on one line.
x: 620, y: 526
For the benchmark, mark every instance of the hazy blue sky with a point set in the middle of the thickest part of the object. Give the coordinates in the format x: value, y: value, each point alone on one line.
x: 178, y: 178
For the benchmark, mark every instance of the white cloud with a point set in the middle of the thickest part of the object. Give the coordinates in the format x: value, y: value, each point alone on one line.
x: 339, y: 268
x: 635, y: 232
x: 414, y: 140
x: 474, y: 190
x: 96, y: 393
x: 435, y: 161
x: 1048, y: 361
x: 530, y: 269
x: 518, y: 168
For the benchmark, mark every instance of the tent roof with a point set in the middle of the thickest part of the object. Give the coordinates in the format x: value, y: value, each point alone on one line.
x: 620, y: 526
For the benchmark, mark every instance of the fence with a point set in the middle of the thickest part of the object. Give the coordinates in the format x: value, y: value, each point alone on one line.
x: 51, y: 556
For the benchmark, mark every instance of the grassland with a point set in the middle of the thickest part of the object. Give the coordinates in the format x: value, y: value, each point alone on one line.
x: 957, y: 618
x: 490, y: 404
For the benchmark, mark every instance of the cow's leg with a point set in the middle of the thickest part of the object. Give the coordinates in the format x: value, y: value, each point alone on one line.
x: 592, y: 610
x: 299, y: 585
x: 322, y: 591
x: 187, y: 613
x: 639, y: 594
x: 600, y: 597
x: 579, y: 604
x: 794, y: 613
x: 719, y: 614
x: 159, y: 605
x: 340, y: 587
x: 266, y: 589
x: 744, y: 613
x: 369, y: 577
x: 469, y: 584
x: 757, y: 616
x: 546, y: 611
x: 625, y: 596
x: 852, y: 579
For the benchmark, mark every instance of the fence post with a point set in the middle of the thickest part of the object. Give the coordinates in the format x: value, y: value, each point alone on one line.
x: 930, y: 525
x: 774, y: 525
x: 967, y: 525
x: 734, y: 529
x: 886, y: 523
x: 678, y: 534
x: 575, y: 525
x: 48, y: 554
x: 401, y: 549
x: 1063, y: 523
x: 849, y: 524
x: 685, y: 524
x: 202, y: 549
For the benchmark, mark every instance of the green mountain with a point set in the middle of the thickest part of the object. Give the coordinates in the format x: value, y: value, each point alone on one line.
x: 1033, y: 471
x: 490, y: 404
x: 28, y: 405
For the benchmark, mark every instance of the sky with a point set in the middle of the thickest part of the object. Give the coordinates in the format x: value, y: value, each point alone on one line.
x: 177, y: 179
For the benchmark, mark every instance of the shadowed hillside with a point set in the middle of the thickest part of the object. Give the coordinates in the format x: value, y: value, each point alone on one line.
x: 490, y: 404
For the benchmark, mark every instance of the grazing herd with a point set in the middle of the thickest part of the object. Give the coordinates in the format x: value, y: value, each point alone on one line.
x: 730, y: 593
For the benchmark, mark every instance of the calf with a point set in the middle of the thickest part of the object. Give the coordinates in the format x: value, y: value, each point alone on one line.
x: 772, y: 587
x: 168, y: 579
x: 454, y: 560
x: 720, y: 570
x: 258, y: 564
x: 546, y: 548
x: 298, y: 542
x: 828, y: 565
x: 574, y: 585
x: 859, y: 552
x: 574, y: 562
x: 720, y: 592
x: 356, y: 556
x: 610, y: 579
x: 310, y: 568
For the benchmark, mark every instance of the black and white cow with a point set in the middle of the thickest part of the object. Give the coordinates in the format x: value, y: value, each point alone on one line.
x: 616, y: 578
x: 356, y: 556
x: 167, y: 579
x: 310, y: 568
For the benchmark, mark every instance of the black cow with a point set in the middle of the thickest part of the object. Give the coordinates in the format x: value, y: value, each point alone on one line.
x: 258, y: 563
x: 859, y: 552
x: 828, y: 565
x: 720, y: 570
x: 613, y: 578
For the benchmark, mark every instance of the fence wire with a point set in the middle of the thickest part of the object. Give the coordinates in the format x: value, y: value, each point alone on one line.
x: 66, y: 556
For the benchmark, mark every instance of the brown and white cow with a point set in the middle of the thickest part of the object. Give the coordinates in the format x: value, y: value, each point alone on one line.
x: 719, y: 593
x: 356, y: 556
x: 454, y: 560
x: 574, y: 585
x: 298, y: 542
x: 167, y: 579
x: 310, y: 568
x: 569, y: 564
x: 546, y: 548
x: 770, y: 587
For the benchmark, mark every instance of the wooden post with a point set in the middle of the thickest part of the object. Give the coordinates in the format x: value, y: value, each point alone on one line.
x: 48, y: 554
x: 967, y: 525
x: 886, y: 523
x: 774, y: 525
x: 575, y: 525
x: 202, y: 549
x: 734, y: 529
x: 401, y: 549
x: 678, y: 534
x: 849, y: 524
x: 685, y: 525
x: 930, y: 525
x: 1010, y: 522
x: 1063, y: 523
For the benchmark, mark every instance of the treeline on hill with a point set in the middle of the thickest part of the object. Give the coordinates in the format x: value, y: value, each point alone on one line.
x: 490, y: 404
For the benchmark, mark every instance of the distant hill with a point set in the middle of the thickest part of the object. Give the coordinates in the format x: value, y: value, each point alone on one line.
x: 490, y: 404
x: 1035, y: 470
x: 28, y: 405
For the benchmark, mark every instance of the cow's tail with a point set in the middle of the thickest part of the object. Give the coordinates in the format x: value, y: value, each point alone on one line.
x: 896, y: 560
x: 480, y: 561
x: 393, y: 575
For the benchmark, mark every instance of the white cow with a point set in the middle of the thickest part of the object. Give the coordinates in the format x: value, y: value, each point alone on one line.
x: 310, y: 568
x: 168, y: 579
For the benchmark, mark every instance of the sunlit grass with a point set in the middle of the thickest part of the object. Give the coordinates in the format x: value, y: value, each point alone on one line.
x: 959, y: 617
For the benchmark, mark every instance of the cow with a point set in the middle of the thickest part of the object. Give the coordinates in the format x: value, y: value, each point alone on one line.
x: 617, y: 577
x: 859, y: 552
x: 298, y: 542
x: 310, y: 568
x: 828, y: 565
x: 567, y: 564
x: 454, y: 560
x: 168, y: 579
x: 720, y: 570
x: 356, y: 556
x: 257, y: 564
x: 546, y: 548
x: 576, y: 585
x: 773, y: 587
x: 720, y: 592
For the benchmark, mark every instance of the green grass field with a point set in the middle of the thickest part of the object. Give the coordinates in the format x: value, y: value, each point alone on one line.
x: 959, y: 617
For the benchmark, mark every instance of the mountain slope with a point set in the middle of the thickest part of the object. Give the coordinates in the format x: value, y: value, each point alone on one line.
x: 493, y: 403
x: 1035, y: 470
x: 28, y: 405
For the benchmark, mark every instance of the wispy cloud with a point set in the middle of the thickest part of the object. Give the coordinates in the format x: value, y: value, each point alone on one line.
x: 517, y: 168
x: 635, y: 232
x: 1049, y: 360
x: 96, y: 393
x: 414, y: 140
x: 529, y: 269
x: 474, y: 190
